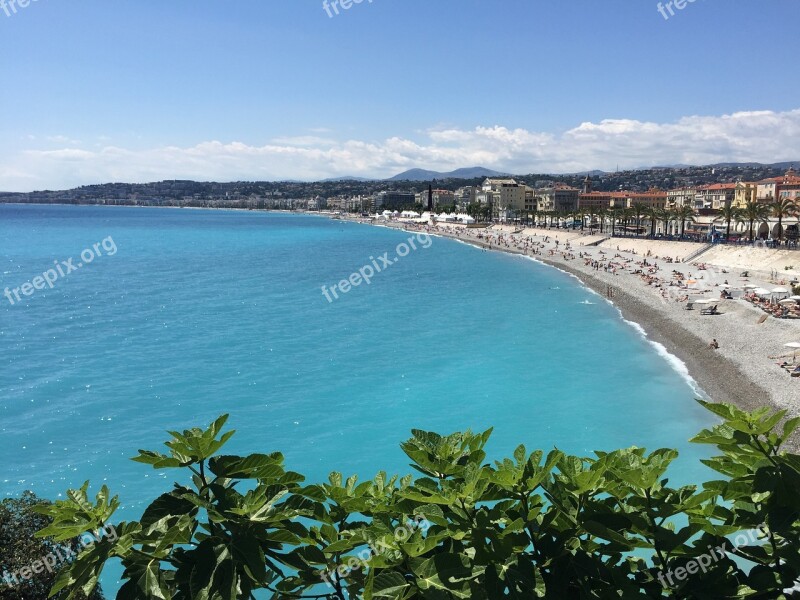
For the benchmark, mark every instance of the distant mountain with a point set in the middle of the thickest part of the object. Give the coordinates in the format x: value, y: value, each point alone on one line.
x: 425, y: 175
x: 346, y: 178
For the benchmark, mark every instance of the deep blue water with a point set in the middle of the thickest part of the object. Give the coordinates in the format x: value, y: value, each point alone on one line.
x: 198, y: 313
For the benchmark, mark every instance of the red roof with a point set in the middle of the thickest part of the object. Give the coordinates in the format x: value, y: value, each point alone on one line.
x: 718, y: 187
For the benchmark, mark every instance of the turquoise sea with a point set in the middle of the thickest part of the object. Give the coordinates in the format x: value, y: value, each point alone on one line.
x: 198, y: 313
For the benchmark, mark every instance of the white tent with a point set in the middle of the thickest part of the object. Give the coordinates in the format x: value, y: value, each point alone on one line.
x: 464, y: 218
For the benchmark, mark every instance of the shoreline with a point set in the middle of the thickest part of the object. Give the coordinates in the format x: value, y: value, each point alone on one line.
x: 731, y: 386
x: 730, y: 374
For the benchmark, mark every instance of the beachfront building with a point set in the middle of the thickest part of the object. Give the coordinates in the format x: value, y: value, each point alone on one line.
x: 789, y: 187
x: 559, y: 198
x: 766, y: 189
x: 681, y: 197
x: 393, y: 200
x: 786, y: 186
x: 507, y: 198
x: 441, y: 198
x: 744, y: 192
x: 652, y: 199
x: 351, y: 204
x: 530, y: 200
x: 465, y: 196
x: 318, y: 203
x: 602, y: 200
x: 715, y: 196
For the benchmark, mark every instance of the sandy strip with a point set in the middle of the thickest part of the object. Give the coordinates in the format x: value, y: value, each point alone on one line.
x: 739, y: 372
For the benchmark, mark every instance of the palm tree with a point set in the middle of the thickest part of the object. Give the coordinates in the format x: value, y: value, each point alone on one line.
x: 753, y: 211
x: 590, y: 212
x: 614, y: 213
x: 662, y: 214
x: 654, y: 214
x: 684, y: 214
x: 602, y: 214
x: 780, y: 208
x: 627, y: 215
x: 572, y: 215
x: 637, y: 210
x: 581, y: 214
x: 727, y: 214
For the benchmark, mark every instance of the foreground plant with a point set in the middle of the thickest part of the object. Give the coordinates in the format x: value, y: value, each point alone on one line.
x: 531, y: 526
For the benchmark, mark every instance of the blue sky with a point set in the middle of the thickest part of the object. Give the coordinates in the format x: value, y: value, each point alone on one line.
x: 262, y: 89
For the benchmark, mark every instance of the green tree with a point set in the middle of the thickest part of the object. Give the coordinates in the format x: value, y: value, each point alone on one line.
x: 780, y: 209
x: 615, y: 215
x: 532, y: 526
x: 638, y: 210
x: 727, y: 214
x: 626, y: 215
x: 22, y: 554
x: 591, y: 212
x: 581, y: 215
x: 754, y: 212
x: 603, y: 214
x: 684, y: 214
x: 653, y: 214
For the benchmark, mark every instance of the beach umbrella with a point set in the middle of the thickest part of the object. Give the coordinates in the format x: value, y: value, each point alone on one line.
x: 750, y: 286
x: 794, y: 297
x: 787, y: 301
x: 761, y: 292
x: 795, y: 346
x: 780, y: 290
x: 704, y: 301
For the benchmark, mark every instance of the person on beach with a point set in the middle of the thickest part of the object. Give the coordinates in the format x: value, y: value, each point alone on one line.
x: 714, y: 345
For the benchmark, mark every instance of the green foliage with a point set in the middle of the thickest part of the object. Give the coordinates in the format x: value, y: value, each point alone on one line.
x: 23, y: 554
x: 532, y: 526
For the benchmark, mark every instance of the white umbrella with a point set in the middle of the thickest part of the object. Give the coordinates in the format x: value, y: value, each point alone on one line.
x: 795, y: 346
x: 794, y: 297
x: 780, y: 290
x: 750, y: 286
x: 724, y: 286
x: 761, y: 292
x: 787, y: 301
x: 704, y: 301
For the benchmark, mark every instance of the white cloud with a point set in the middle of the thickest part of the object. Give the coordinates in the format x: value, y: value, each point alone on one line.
x: 762, y: 136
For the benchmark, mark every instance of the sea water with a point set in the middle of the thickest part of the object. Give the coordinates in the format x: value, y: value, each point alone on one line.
x: 197, y: 313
